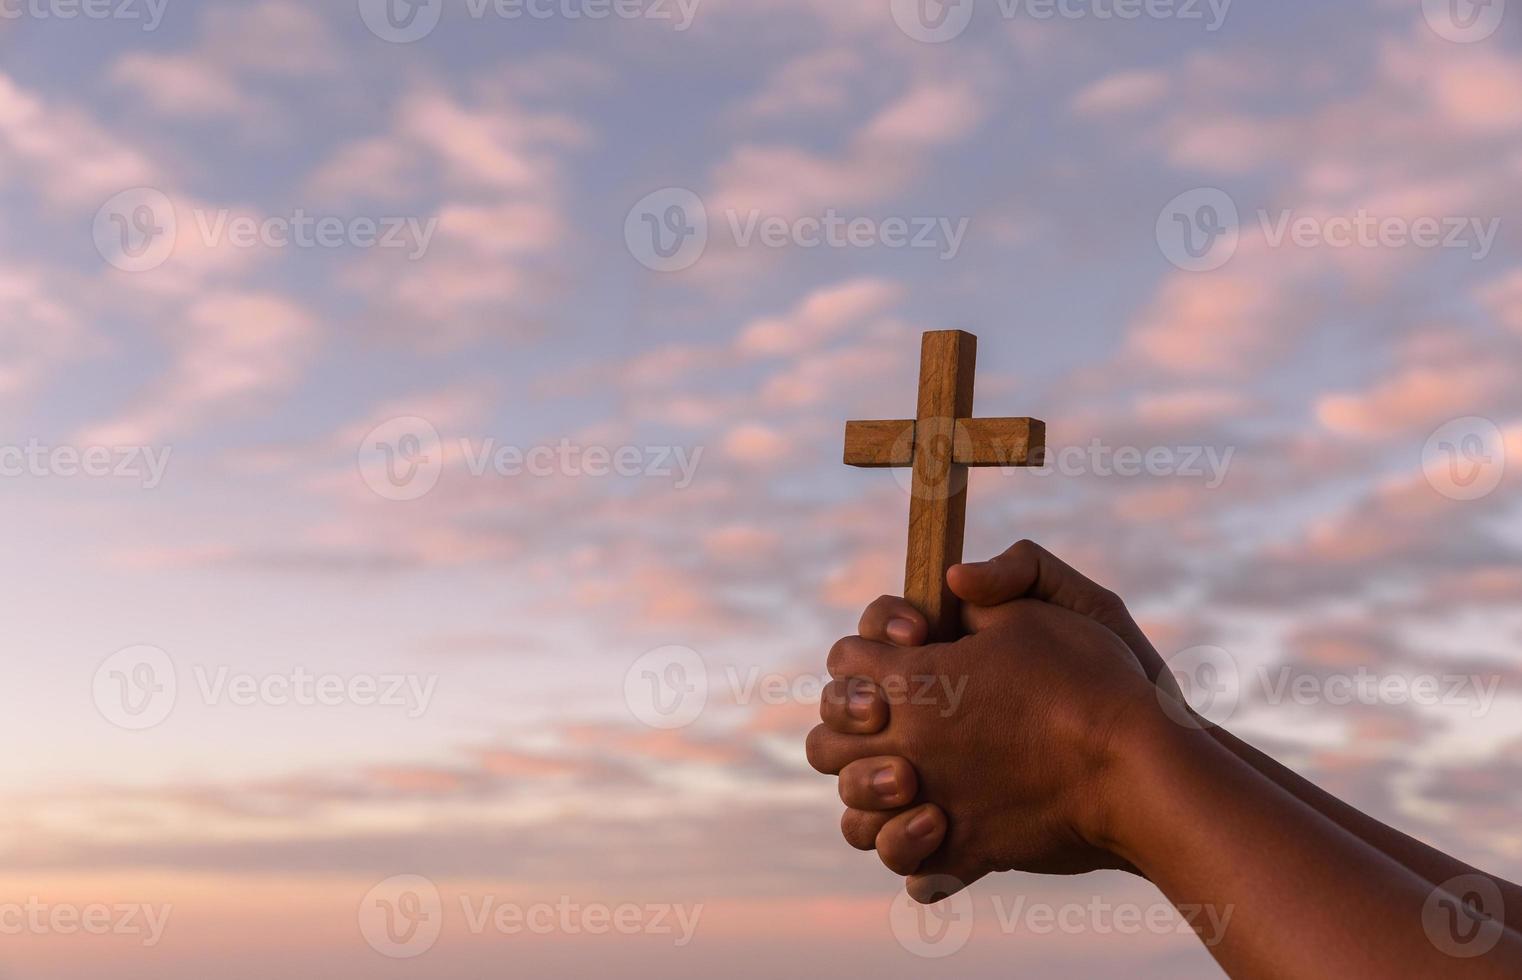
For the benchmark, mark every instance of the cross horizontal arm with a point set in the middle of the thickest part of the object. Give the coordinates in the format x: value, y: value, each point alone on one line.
x: 876, y: 444
x: 999, y: 442
x: 978, y: 442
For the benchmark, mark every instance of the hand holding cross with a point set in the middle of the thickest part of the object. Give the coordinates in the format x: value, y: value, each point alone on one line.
x: 940, y: 444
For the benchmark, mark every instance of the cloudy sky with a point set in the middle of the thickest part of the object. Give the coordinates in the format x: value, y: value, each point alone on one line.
x: 421, y: 448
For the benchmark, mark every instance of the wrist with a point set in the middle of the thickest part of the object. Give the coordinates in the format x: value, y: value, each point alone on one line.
x: 1140, y: 738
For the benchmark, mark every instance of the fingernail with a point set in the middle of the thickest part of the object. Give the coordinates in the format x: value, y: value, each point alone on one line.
x: 885, y: 782
x: 901, y: 630
x: 859, y: 704
x: 922, y: 824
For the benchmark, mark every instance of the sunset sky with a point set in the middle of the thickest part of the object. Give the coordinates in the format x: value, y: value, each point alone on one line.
x: 1328, y: 392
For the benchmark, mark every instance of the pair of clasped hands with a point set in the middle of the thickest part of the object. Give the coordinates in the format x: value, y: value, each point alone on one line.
x: 990, y: 753
x: 1051, y: 738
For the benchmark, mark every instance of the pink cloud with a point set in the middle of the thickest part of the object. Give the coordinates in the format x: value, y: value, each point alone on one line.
x: 1437, y: 380
x: 821, y: 314
x: 1504, y: 298
x: 65, y: 153
x: 232, y: 348
x: 756, y: 444
x: 881, y: 157
x: 1121, y: 92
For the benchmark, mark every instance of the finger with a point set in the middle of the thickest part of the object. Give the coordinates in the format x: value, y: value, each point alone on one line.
x: 860, y: 827
x: 829, y: 751
x: 891, y: 619
x: 853, y: 707
x: 878, y: 783
x: 911, y: 837
x: 853, y: 656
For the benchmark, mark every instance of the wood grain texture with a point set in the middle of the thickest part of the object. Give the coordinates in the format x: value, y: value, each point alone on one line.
x: 999, y: 442
x: 938, y: 499
x: 878, y: 444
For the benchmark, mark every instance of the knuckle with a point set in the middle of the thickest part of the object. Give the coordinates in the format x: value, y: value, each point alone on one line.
x: 1105, y: 600
x: 1025, y: 548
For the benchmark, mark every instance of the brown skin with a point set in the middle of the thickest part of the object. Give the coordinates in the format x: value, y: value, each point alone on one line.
x: 1061, y: 760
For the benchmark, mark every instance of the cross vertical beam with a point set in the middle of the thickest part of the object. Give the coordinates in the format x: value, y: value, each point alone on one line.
x: 938, y: 493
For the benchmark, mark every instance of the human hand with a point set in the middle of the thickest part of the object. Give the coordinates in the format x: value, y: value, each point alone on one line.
x: 1028, y: 796
x: 906, y: 835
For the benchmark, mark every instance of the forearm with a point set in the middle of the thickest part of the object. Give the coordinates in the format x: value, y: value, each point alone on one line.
x: 1306, y: 897
x: 1431, y: 864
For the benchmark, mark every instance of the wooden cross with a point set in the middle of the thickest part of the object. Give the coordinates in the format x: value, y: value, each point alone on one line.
x: 940, y: 444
